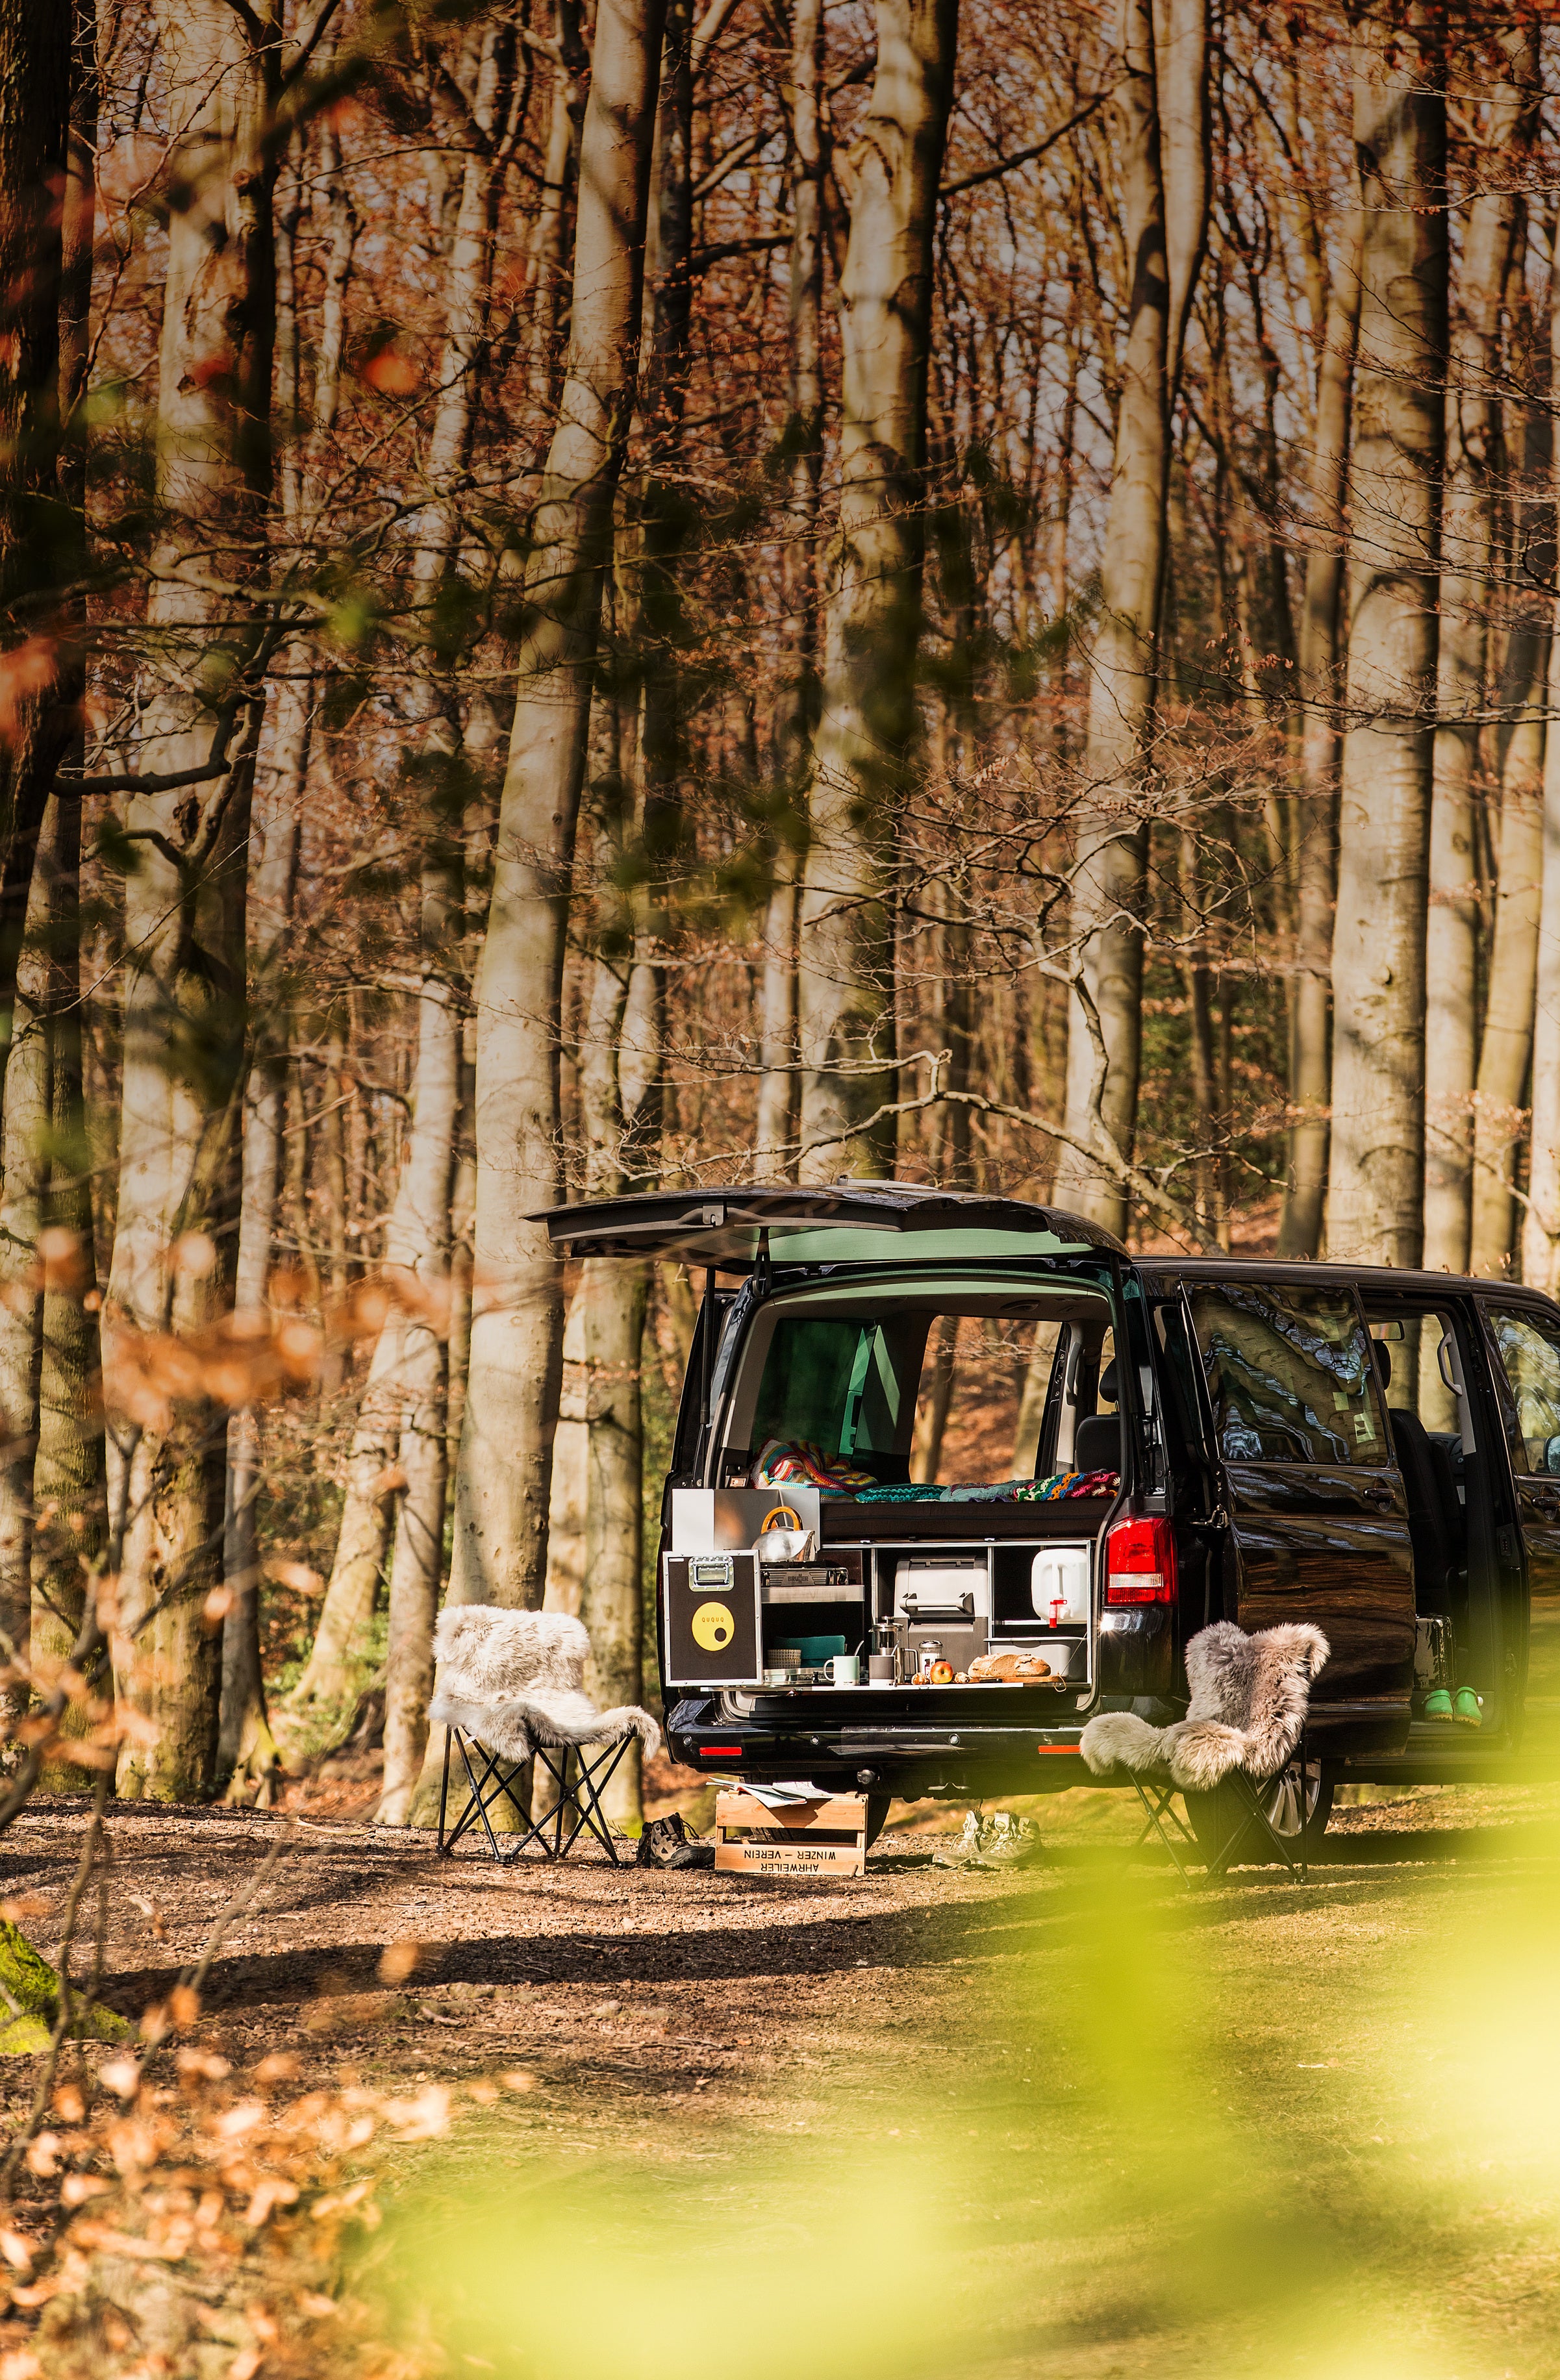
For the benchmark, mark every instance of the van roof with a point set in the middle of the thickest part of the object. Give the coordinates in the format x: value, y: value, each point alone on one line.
x: 1331, y: 1275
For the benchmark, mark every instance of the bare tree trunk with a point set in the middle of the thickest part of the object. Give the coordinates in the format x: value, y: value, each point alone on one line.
x: 774, y: 1123
x: 798, y: 715
x: 613, y: 1602
x: 38, y: 537
x: 246, y: 1749
x: 1375, y: 1197
x: 185, y: 906
x: 1161, y: 112
x: 48, y: 124
x: 338, y: 1669
x: 421, y: 1251
x: 571, y: 1469
x: 1541, y: 1224
x: 67, y: 1470
x: 1506, y: 1045
x: 502, y: 1489
x: 622, y: 1072
x: 26, y: 1161
x: 867, y: 715
x: 1468, y: 518
x: 570, y: 74
x: 1316, y: 872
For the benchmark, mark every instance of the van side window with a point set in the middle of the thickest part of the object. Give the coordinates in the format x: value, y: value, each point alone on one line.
x: 1289, y: 1375
x: 1529, y: 1352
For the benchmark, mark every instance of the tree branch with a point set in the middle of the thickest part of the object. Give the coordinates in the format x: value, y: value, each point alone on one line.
x: 1023, y: 156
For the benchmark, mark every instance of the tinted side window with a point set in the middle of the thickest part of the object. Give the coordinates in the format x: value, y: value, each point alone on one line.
x: 1289, y: 1375
x: 1530, y: 1352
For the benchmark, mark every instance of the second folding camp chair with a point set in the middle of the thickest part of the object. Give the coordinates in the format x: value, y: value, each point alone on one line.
x: 510, y: 1691
x: 1245, y: 1722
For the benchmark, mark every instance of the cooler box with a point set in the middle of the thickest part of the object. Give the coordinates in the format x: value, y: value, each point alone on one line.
x: 710, y: 1620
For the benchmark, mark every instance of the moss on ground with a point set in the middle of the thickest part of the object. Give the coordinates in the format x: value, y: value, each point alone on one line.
x: 30, y: 2001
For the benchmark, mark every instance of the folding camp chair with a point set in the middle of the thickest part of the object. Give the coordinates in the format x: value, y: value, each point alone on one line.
x: 510, y: 1690
x: 579, y: 1783
x: 1245, y: 1722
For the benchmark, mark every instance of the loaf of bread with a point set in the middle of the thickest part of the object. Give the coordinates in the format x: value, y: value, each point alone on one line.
x: 1008, y: 1667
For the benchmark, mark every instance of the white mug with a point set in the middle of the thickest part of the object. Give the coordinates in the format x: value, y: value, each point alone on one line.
x: 845, y: 1670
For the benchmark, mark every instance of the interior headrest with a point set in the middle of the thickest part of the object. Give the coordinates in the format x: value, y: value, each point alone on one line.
x: 1108, y: 1383
x: 1097, y: 1443
x: 1384, y: 1361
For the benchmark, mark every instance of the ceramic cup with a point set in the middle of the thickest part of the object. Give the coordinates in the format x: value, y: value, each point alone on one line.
x: 845, y: 1670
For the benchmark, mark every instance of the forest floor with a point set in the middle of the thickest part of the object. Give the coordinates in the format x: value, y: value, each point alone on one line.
x: 1087, y: 2119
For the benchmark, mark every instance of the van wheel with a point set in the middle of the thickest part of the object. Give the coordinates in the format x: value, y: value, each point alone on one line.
x: 1216, y: 1815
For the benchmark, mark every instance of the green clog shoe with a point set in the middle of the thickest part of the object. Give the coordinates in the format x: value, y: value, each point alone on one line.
x: 1466, y: 1711
x: 1438, y: 1706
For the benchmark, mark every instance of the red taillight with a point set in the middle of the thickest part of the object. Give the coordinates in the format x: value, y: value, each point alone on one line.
x: 1141, y: 1562
x: 719, y: 1751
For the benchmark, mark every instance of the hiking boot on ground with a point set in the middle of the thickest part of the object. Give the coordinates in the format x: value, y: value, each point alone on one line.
x: 1007, y: 1841
x: 667, y: 1843
x: 965, y: 1845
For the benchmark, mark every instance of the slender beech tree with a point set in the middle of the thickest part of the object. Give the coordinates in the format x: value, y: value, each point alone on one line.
x: 1540, y: 1217
x: 500, y: 1551
x: 797, y: 715
x: 187, y: 819
x: 247, y: 1753
x: 1375, y: 1194
x: 1161, y: 106
x: 621, y: 1070
x: 1467, y: 529
x: 38, y: 531
x: 1506, y: 1041
x: 49, y: 1336
x: 498, y: 98
x: 873, y: 621
x: 1320, y: 611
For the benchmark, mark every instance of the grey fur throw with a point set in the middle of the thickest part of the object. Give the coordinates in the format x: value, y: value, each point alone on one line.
x: 513, y: 1681
x: 1250, y: 1695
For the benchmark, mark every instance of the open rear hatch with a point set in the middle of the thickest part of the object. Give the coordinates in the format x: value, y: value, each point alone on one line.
x: 740, y: 1229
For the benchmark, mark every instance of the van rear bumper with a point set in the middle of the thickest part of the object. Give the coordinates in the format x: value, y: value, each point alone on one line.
x: 907, y: 1760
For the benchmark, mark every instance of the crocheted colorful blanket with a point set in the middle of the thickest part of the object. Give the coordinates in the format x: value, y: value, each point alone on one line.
x: 799, y: 1463
x: 1061, y: 1484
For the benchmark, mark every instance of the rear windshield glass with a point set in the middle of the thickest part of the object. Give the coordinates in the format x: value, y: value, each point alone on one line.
x: 921, y: 1396
x: 1289, y: 1375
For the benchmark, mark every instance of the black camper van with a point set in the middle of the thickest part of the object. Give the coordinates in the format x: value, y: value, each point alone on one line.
x: 954, y: 1473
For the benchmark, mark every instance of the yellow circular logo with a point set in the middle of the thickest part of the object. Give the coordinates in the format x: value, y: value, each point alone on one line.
x: 714, y: 1628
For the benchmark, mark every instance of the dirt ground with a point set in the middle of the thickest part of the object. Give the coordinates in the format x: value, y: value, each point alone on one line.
x: 686, y: 2018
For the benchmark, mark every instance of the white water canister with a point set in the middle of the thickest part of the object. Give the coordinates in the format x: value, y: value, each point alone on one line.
x: 1059, y: 1586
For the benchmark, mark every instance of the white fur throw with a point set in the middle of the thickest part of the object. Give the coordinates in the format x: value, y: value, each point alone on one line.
x: 484, y: 1653
x: 1250, y: 1695
x: 512, y: 1679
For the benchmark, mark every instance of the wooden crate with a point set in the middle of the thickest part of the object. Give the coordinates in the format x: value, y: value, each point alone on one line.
x: 805, y: 1838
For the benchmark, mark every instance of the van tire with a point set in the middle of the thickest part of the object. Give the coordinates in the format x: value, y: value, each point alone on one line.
x: 1214, y: 1816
